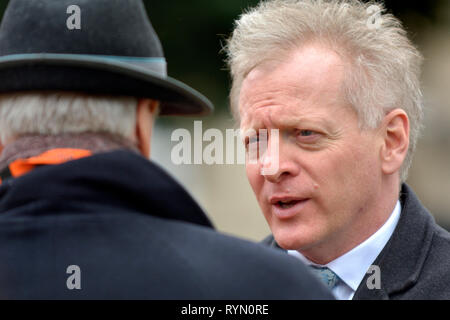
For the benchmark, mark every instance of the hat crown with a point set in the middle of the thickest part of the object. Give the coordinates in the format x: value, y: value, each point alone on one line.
x: 106, y: 47
x: 107, y: 27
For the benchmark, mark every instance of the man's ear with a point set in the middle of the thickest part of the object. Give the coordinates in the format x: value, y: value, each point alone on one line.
x: 395, y: 132
x: 145, y: 114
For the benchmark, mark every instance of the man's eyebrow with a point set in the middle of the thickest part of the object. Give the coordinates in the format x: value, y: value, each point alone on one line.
x: 292, y: 121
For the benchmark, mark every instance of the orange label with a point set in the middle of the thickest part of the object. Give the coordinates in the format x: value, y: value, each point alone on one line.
x: 53, y: 156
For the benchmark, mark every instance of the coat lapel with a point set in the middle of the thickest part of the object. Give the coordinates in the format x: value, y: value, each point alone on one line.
x: 402, y: 258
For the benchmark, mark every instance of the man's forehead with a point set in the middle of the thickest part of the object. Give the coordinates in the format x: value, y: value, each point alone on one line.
x: 313, y: 62
x: 308, y: 76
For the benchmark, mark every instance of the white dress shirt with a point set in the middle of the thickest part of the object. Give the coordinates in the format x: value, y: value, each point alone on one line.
x: 352, y: 266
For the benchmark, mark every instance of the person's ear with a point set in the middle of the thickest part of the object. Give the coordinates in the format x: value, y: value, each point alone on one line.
x: 395, y: 132
x: 145, y: 115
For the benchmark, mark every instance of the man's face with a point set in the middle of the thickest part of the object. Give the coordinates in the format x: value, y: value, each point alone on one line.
x: 329, y: 170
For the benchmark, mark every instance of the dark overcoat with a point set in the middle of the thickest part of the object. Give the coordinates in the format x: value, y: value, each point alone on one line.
x: 116, y: 226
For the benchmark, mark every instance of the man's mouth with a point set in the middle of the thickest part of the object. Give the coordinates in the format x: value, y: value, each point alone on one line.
x: 287, y: 204
x: 287, y: 207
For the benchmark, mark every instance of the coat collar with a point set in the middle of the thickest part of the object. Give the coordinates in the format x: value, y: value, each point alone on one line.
x: 117, y: 180
x: 33, y: 145
x: 402, y: 259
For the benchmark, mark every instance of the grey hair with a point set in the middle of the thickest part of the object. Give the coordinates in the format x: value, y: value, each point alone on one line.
x: 384, y: 66
x: 56, y: 113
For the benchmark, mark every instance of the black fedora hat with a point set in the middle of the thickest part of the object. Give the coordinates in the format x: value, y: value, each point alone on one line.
x: 111, y: 49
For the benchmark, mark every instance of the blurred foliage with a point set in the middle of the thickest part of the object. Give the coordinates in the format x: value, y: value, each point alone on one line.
x: 193, y: 33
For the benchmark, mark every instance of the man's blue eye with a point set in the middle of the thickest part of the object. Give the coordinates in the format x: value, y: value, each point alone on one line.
x: 306, y: 133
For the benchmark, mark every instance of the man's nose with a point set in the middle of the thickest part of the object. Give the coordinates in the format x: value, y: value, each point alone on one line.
x: 277, y: 163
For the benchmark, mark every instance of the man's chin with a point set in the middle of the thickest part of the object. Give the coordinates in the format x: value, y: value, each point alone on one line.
x: 298, y: 237
x: 293, y: 243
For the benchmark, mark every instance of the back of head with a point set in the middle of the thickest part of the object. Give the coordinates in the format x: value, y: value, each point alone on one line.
x: 57, y: 113
x: 70, y: 67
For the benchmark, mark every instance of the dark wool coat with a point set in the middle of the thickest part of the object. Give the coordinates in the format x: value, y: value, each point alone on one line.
x: 134, y: 233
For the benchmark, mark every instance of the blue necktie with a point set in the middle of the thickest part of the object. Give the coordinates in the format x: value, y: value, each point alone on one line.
x: 327, y: 276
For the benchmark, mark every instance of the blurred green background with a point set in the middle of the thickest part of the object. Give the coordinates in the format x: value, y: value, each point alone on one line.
x: 193, y: 33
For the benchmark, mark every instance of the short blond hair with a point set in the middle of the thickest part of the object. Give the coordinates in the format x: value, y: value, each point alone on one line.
x: 384, y: 68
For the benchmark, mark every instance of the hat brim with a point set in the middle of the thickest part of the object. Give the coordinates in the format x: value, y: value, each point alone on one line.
x: 94, y: 76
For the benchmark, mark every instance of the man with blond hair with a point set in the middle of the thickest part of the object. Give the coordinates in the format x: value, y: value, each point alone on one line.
x: 83, y: 213
x: 339, y: 81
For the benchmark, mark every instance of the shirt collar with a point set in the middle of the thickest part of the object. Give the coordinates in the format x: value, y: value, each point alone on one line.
x: 352, y: 266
